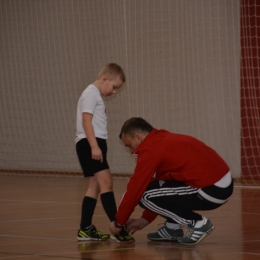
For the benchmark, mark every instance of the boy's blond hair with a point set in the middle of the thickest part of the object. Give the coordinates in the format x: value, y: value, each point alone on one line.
x: 112, y: 70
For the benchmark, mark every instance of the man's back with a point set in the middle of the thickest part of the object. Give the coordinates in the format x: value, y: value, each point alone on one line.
x: 182, y: 158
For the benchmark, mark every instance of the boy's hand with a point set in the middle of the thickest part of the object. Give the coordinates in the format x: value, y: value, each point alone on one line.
x: 97, y: 154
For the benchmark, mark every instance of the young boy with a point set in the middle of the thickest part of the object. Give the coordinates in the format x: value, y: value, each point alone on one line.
x: 91, y: 149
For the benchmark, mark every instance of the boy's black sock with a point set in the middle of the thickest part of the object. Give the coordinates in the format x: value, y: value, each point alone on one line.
x: 109, y: 204
x: 88, y: 207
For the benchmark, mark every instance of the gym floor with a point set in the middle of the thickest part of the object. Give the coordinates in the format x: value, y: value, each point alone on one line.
x: 40, y: 215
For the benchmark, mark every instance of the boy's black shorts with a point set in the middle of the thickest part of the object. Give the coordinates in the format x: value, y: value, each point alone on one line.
x: 88, y: 165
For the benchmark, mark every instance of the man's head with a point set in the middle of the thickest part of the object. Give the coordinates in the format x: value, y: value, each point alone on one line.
x: 110, y: 79
x: 134, y: 131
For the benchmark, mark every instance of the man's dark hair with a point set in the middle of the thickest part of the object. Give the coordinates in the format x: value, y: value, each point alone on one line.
x: 133, y: 125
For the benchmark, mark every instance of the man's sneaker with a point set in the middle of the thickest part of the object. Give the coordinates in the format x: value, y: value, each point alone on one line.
x: 165, y: 234
x: 193, y: 235
x: 92, y: 234
x: 123, y: 237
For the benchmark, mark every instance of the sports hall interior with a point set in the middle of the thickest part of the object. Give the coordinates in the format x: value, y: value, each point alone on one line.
x: 192, y: 67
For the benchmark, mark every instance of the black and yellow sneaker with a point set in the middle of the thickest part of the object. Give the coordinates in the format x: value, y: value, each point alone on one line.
x: 92, y: 234
x: 123, y: 237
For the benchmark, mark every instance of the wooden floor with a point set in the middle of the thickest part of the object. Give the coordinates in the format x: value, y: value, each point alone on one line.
x: 39, y: 219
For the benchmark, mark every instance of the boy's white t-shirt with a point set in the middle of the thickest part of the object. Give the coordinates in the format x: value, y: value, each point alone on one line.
x: 92, y: 102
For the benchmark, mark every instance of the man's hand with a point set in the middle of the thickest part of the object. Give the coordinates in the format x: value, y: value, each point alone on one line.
x: 113, y: 229
x: 136, y: 224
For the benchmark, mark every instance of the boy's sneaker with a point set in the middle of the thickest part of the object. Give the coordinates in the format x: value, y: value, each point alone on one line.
x: 193, y: 235
x: 92, y: 234
x: 123, y: 237
x: 166, y: 234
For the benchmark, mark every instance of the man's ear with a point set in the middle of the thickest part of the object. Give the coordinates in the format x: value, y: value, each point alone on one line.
x: 139, y: 137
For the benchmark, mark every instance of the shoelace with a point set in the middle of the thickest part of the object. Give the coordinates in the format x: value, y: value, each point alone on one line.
x: 187, y: 231
x: 123, y: 232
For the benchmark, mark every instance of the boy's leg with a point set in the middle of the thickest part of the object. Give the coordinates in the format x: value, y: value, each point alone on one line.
x: 107, y: 197
x: 104, y: 184
x: 87, y: 211
x: 88, y: 231
x: 89, y: 203
x: 104, y: 179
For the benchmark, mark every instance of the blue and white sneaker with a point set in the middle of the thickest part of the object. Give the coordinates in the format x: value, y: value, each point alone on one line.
x: 193, y: 235
x: 166, y: 234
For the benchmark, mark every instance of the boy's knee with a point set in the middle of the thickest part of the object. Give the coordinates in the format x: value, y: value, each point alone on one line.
x: 93, y: 184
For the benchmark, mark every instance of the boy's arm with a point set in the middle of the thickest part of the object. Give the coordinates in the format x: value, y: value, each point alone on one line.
x: 89, y: 130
